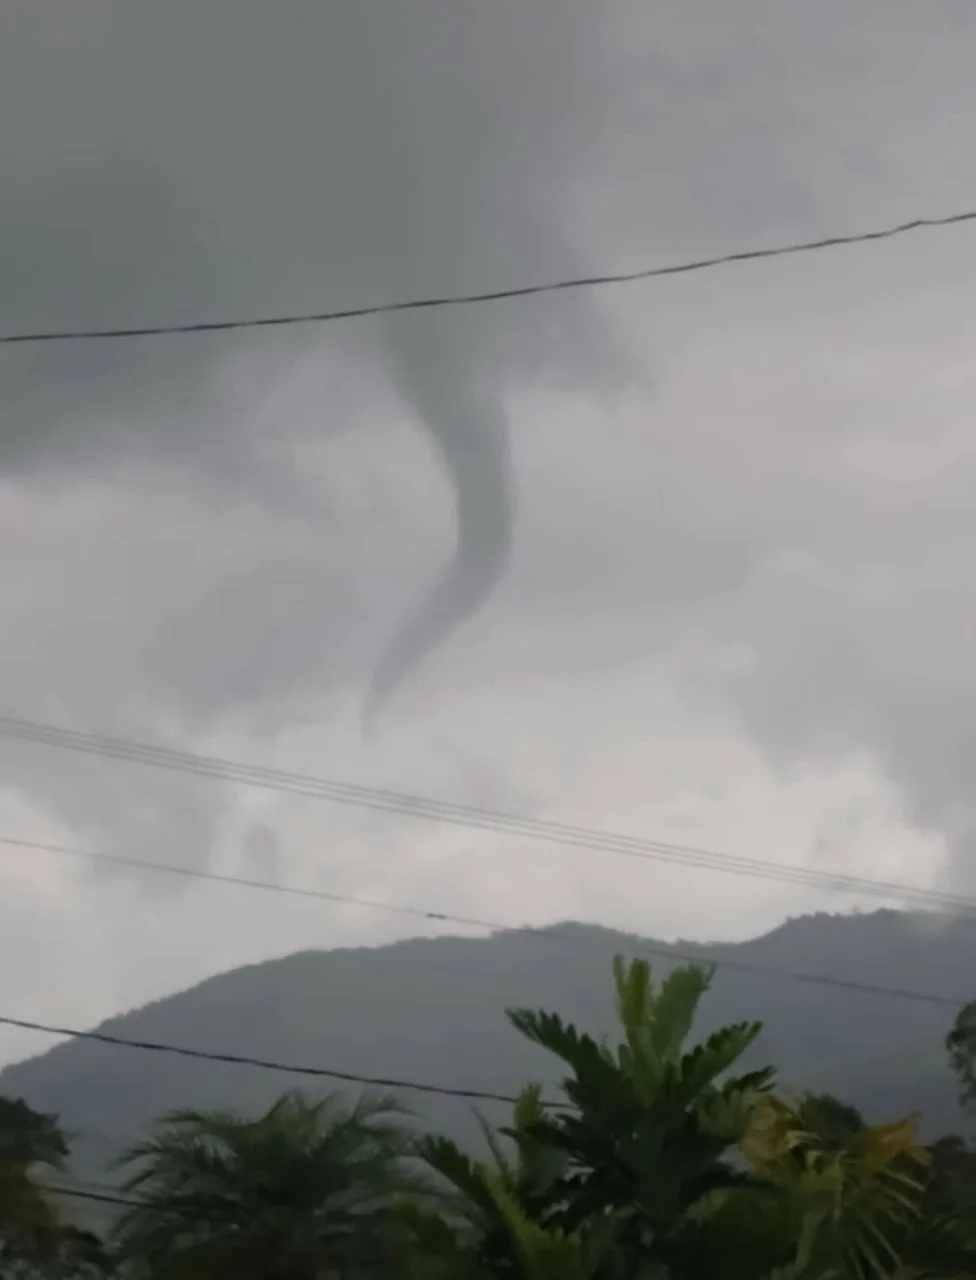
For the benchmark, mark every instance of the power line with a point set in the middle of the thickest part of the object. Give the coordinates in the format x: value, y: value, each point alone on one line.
x: 244, y: 882
x: 263, y: 1064
x: 553, y: 933
x: 497, y: 295
x: 99, y: 1197
x: 349, y: 1077
x: 407, y: 805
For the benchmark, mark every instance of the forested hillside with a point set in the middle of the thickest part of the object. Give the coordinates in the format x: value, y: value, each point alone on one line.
x: 433, y: 1010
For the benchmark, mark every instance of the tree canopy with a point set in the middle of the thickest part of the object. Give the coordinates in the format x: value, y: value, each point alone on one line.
x: 661, y: 1158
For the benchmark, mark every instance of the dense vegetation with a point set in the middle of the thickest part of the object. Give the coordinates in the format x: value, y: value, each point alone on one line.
x: 663, y: 1159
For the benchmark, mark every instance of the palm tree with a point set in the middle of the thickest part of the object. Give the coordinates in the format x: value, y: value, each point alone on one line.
x: 851, y: 1200
x: 614, y: 1182
x: 653, y: 1124
x: 847, y: 1196
x: 487, y: 1221
x: 303, y: 1192
x: 29, y: 1224
x: 663, y: 1163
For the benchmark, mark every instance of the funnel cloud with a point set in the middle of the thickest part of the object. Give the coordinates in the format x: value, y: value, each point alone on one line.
x: 227, y: 530
x: 469, y: 429
x: 421, y: 156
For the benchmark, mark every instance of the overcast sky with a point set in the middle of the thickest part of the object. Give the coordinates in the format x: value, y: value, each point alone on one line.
x: 716, y: 531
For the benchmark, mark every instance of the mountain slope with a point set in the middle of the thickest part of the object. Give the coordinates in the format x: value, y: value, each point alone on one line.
x: 433, y: 1010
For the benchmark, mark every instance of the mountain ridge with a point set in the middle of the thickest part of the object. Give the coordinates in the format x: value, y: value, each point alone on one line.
x: 432, y: 1010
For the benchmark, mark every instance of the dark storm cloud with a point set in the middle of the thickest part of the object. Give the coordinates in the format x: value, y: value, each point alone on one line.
x: 309, y: 153
x: 173, y: 162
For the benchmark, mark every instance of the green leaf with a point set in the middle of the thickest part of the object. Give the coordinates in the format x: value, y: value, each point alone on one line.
x: 706, y: 1062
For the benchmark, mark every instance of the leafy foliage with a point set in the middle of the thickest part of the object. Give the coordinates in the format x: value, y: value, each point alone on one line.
x: 31, y: 1233
x: 652, y: 1124
x: 961, y: 1048
x: 661, y: 1161
x: 303, y: 1191
x: 664, y: 1162
x: 851, y: 1192
x: 28, y: 1137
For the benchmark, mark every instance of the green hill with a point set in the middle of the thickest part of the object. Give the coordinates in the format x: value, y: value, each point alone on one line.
x: 433, y: 1010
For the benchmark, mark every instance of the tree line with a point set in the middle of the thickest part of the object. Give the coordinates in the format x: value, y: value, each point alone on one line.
x: 664, y: 1159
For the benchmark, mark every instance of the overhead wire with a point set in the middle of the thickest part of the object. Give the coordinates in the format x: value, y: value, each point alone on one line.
x: 98, y: 1196
x: 555, y: 933
x: 394, y: 1082
x: 470, y: 816
x: 351, y: 1077
x: 262, y: 1064
x: 493, y: 295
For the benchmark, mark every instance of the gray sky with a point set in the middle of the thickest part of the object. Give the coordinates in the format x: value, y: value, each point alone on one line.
x: 717, y: 528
